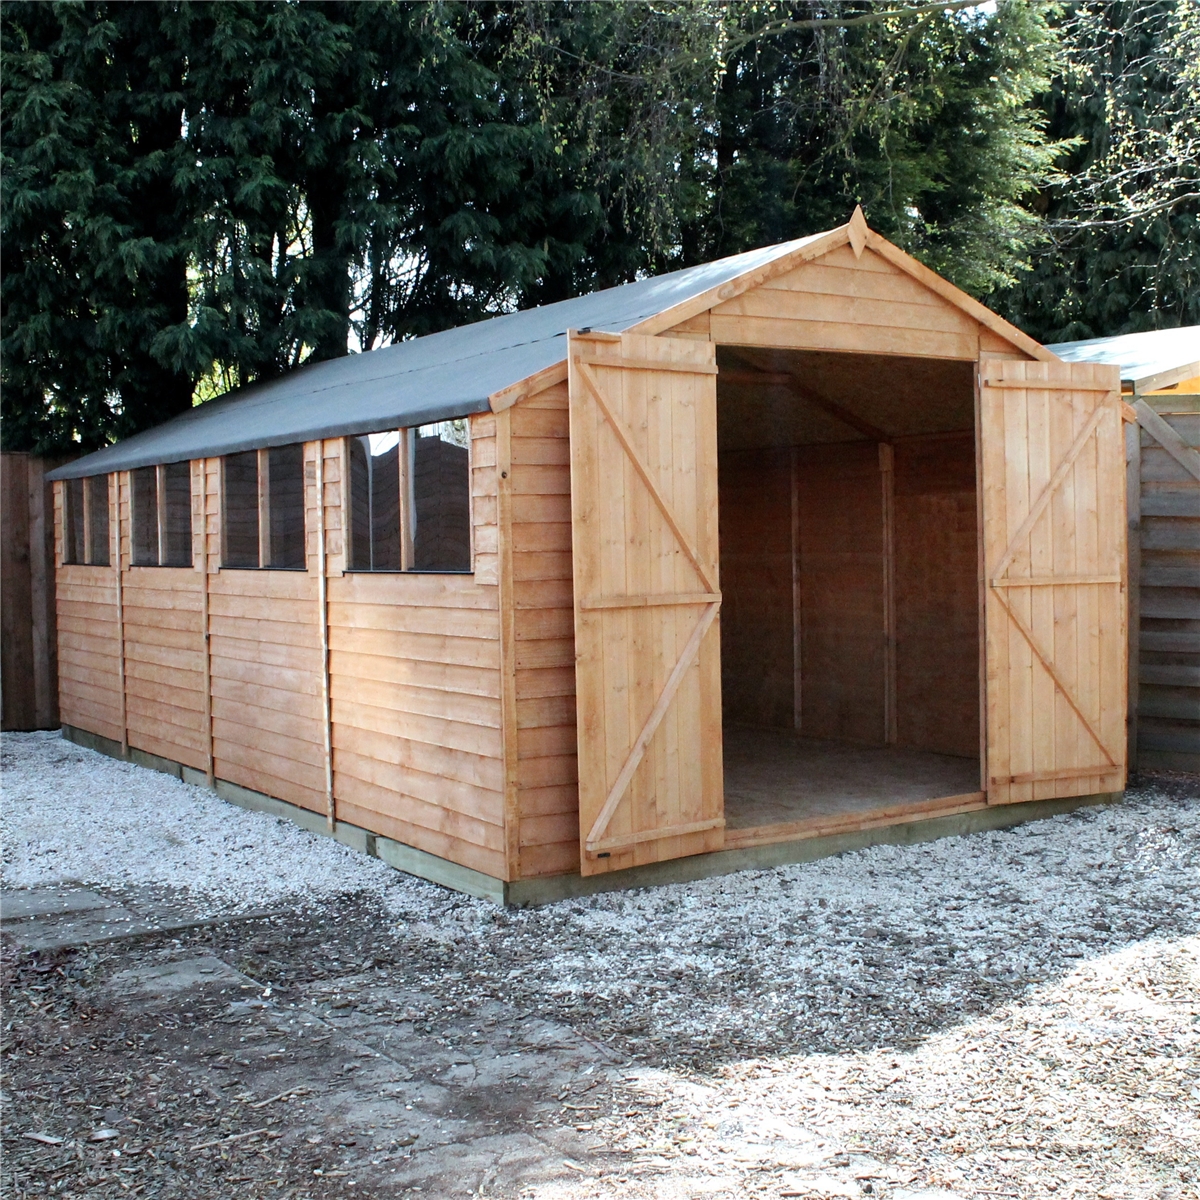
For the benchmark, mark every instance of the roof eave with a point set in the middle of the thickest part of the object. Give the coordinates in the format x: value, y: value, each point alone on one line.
x: 1162, y: 379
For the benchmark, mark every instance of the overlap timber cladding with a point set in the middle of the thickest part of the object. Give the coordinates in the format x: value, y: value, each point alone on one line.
x: 413, y: 662
x: 265, y: 661
x: 824, y: 673
x: 544, y: 635
x: 848, y: 303
x: 89, y: 646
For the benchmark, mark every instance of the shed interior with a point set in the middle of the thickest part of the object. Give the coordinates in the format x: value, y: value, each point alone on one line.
x: 850, y: 664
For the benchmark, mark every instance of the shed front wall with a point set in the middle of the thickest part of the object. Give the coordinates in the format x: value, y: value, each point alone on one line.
x: 414, y: 668
x: 853, y: 304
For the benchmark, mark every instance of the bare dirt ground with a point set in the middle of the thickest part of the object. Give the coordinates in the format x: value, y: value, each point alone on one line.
x: 1013, y: 1014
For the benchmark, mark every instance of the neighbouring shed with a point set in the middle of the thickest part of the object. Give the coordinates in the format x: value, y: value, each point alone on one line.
x: 1160, y: 377
x: 707, y: 570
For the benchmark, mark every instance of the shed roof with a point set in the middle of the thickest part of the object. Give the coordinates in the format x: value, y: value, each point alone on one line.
x: 1149, y: 360
x: 482, y: 366
x: 432, y: 378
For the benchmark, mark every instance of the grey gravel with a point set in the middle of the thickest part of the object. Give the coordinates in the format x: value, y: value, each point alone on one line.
x: 1013, y: 1013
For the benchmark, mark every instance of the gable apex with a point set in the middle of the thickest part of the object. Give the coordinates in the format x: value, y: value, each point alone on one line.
x: 859, y: 238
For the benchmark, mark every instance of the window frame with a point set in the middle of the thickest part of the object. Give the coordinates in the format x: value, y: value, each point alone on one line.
x: 160, y: 520
x: 407, y: 506
x: 262, y: 465
x: 88, y: 549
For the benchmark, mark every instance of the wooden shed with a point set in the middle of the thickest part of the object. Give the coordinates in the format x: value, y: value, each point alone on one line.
x: 1160, y: 380
x: 729, y: 566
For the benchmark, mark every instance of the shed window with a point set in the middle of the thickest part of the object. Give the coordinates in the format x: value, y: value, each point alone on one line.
x: 263, y: 508
x: 375, y: 502
x: 441, y: 497
x: 85, y: 521
x: 240, y: 510
x: 144, y: 485
x: 409, y: 499
x: 96, y: 499
x: 162, y: 515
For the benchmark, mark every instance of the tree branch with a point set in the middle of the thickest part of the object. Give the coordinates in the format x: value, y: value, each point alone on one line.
x: 870, y: 18
x: 1133, y: 216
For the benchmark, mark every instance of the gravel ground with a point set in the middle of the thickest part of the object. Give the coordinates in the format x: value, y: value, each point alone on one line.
x: 72, y: 815
x: 1008, y: 1014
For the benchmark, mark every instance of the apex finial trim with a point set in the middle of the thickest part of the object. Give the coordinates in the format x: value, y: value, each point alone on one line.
x: 858, y: 231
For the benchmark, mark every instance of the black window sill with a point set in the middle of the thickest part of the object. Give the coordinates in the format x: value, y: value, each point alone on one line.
x: 410, y: 571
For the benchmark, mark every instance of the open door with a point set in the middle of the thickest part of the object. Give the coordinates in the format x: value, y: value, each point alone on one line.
x: 1053, y: 504
x: 644, y: 544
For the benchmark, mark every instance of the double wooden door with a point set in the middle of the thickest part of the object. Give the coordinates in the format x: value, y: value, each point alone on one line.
x: 647, y: 589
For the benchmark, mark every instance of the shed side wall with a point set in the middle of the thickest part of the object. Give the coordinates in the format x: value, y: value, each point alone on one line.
x: 164, y: 649
x: 89, y: 642
x: 414, y: 669
x: 265, y: 661
x: 415, y: 686
x: 544, y: 629
x: 164, y: 663
x: 264, y: 648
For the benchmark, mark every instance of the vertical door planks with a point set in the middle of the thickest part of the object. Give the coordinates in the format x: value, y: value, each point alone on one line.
x: 1052, y: 496
x: 644, y: 515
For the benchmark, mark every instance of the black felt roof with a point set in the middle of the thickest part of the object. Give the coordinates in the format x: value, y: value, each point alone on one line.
x: 433, y: 378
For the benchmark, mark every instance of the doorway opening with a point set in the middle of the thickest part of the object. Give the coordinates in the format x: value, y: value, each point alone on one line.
x: 850, y: 661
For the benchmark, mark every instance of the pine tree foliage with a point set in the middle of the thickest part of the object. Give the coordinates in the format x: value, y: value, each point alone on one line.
x: 925, y: 121
x: 1123, y: 221
x: 94, y: 253
x: 198, y: 196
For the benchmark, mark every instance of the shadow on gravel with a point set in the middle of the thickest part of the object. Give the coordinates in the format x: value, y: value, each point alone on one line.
x: 880, y: 948
x: 446, y: 1044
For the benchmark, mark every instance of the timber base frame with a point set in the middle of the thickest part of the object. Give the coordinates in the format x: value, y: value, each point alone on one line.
x: 903, y: 831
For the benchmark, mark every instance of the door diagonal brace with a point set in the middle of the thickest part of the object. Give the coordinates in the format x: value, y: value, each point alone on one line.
x: 1027, y: 634
x: 623, y: 436
x: 638, y: 750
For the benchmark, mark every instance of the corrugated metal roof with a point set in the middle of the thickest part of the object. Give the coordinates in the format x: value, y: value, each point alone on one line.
x: 433, y: 378
x: 1141, y: 356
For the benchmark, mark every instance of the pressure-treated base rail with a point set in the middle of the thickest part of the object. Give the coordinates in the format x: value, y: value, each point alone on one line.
x: 547, y: 889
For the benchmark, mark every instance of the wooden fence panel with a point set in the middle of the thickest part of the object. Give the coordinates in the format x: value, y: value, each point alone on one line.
x: 1164, y: 499
x: 29, y: 644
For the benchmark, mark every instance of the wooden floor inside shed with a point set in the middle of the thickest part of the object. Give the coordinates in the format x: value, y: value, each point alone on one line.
x: 780, y: 785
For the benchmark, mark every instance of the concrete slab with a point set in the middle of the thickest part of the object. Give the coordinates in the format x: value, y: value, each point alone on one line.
x: 77, y: 929
x: 43, y: 902
x: 55, y: 917
x: 151, y: 982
